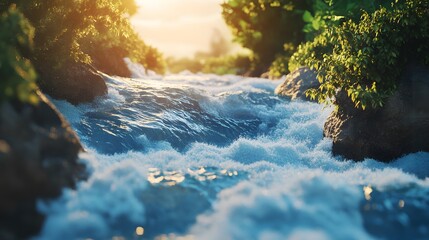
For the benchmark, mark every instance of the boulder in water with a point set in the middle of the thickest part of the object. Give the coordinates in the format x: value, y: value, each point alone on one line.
x: 79, y: 83
x: 297, y: 82
x: 38, y: 158
x: 398, y: 128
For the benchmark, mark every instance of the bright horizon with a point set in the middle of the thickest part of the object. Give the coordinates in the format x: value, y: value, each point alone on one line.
x: 179, y: 28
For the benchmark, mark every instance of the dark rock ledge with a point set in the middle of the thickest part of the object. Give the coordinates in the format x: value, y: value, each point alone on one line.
x: 38, y: 158
x: 79, y: 83
x: 400, y: 127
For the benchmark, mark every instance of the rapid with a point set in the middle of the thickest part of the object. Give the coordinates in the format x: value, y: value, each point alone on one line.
x: 198, y: 156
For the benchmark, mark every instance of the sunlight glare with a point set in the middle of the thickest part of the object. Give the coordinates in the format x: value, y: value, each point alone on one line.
x: 179, y: 28
x: 367, y: 190
x: 139, y: 231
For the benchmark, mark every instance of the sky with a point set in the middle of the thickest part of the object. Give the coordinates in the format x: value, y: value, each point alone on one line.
x: 179, y: 27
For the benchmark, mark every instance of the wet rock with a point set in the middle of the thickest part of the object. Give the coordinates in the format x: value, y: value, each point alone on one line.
x: 38, y: 158
x: 297, y: 82
x: 78, y: 83
x: 398, y: 128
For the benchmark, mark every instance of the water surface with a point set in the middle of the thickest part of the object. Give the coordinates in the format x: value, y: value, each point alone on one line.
x: 207, y: 157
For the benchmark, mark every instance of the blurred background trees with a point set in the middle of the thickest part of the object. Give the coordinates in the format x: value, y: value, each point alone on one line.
x: 265, y: 26
x: 219, y: 59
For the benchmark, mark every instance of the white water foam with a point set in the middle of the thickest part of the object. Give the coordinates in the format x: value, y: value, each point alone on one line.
x: 284, y: 184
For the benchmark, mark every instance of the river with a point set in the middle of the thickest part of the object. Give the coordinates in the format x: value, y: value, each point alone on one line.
x: 194, y: 156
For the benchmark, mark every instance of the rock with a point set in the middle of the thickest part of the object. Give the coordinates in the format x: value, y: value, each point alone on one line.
x: 111, y: 61
x: 297, y: 82
x: 78, y: 83
x: 38, y: 158
x: 398, y: 128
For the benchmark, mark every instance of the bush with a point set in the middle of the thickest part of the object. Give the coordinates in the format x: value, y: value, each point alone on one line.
x: 280, y: 65
x: 265, y: 26
x: 17, y: 75
x: 67, y: 31
x: 311, y: 53
x: 365, y: 58
x: 329, y: 13
x: 320, y: 15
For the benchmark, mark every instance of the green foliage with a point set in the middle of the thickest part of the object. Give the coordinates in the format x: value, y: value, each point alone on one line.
x: 149, y: 57
x: 365, y: 58
x: 280, y: 65
x: 177, y: 65
x: 124, y: 38
x: 329, y: 13
x: 320, y: 15
x: 17, y: 76
x: 311, y: 53
x: 75, y: 31
x: 264, y: 26
x: 228, y: 64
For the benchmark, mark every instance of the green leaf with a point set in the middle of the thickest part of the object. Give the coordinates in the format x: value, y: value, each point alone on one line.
x: 308, y: 28
x: 316, y: 25
x: 307, y: 17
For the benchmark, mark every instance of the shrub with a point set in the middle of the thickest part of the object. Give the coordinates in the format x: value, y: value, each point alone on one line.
x: 365, y: 58
x: 320, y: 15
x: 329, y: 13
x: 66, y: 31
x: 17, y: 75
x: 279, y: 67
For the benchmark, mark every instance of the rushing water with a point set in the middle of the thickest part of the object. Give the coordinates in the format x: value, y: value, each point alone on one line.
x: 209, y: 157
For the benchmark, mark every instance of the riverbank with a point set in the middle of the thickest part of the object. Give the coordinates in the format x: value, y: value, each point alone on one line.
x: 38, y: 158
